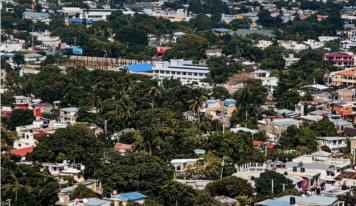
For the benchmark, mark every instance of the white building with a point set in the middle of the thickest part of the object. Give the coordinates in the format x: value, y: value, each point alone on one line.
x: 293, y: 45
x: 313, y: 44
x: 91, y: 15
x: 327, y: 38
x: 291, y: 60
x: 68, y: 114
x: 334, y: 143
x: 180, y: 69
x: 262, y: 44
x: 49, y: 41
x: 10, y: 47
x: 266, y: 78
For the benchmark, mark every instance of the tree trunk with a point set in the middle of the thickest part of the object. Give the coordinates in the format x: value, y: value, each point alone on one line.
x: 153, y: 103
x: 198, y: 118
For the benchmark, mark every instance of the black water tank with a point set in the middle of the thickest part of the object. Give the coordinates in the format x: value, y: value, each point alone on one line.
x: 108, y: 195
x: 302, y: 169
x: 292, y: 201
x: 300, y: 164
x: 285, y: 173
x: 295, y: 168
x: 343, y: 187
x: 78, y: 166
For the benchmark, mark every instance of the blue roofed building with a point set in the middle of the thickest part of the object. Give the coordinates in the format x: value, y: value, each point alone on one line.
x: 229, y: 102
x: 139, y: 67
x: 123, y: 198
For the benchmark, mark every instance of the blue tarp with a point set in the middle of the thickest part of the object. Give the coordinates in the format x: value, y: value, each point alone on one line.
x: 199, y: 151
x: 140, y: 67
x: 8, y: 55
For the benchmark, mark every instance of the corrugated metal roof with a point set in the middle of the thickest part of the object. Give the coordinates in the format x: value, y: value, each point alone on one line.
x: 314, y: 199
x: 285, y: 123
x: 96, y: 202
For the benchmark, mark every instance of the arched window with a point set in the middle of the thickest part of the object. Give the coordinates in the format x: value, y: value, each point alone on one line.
x: 178, y: 168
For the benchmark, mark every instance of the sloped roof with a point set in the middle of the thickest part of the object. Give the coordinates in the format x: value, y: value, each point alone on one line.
x: 39, y: 134
x: 96, y: 202
x: 321, y: 154
x: 345, y: 73
x: 22, y: 151
x: 122, y: 146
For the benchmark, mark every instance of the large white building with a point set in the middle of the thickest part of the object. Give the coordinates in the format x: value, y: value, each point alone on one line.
x: 10, y: 47
x: 77, y: 13
x: 180, y: 69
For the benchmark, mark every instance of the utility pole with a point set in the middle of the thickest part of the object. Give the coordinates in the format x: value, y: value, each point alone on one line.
x: 284, y: 186
x: 106, y: 126
x: 75, y: 41
x: 32, y: 38
x: 272, y: 185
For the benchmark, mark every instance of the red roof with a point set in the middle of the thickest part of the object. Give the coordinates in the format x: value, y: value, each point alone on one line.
x: 346, y: 73
x: 338, y: 55
x: 122, y: 146
x: 258, y: 143
x: 22, y: 151
x: 347, y: 175
x: 39, y: 134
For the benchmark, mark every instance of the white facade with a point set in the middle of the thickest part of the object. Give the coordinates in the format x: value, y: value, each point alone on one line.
x: 293, y: 45
x: 68, y: 115
x: 334, y: 143
x: 92, y: 15
x: 180, y: 69
x: 262, y: 44
x: 291, y: 60
x: 327, y: 38
x: 313, y: 44
x: 49, y: 41
x: 11, y: 47
x: 26, y: 140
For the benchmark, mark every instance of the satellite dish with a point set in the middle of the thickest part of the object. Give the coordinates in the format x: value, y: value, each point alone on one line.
x: 353, y: 167
x: 65, y: 167
x: 76, y: 200
x: 114, y: 192
x: 85, y: 201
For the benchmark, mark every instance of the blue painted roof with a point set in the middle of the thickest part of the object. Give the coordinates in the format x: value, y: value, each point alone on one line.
x: 140, y: 67
x: 314, y: 199
x: 275, y: 203
x: 81, y: 20
x: 341, y: 123
x: 131, y: 196
x: 8, y: 55
x: 199, y: 151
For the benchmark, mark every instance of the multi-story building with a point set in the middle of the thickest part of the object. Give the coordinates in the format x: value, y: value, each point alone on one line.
x: 50, y: 41
x: 313, y: 44
x: 28, y: 138
x: 180, y: 69
x: 291, y: 60
x: 181, y: 164
x: 334, y: 143
x: 68, y: 114
x: 340, y: 59
x: 76, y: 13
x: 347, y: 78
x: 324, y: 158
x: 346, y: 110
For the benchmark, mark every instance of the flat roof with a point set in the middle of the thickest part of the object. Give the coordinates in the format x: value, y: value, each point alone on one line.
x: 175, y: 161
x: 316, y: 86
x: 139, y: 67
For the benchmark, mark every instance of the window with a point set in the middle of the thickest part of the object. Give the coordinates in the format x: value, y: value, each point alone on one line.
x: 184, y: 73
x: 78, y: 176
x: 19, y: 145
x: 179, y: 73
x: 178, y: 168
x: 347, y: 109
x: 200, y: 74
x: 189, y: 74
x: 167, y: 72
x: 27, y: 137
x: 54, y: 168
x: 173, y: 72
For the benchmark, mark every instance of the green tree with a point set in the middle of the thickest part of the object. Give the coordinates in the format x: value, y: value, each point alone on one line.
x: 192, y: 39
x: 264, y: 183
x: 19, y: 58
x: 27, y: 184
x: 324, y: 128
x: 288, y: 100
x: 7, y: 139
x: 138, y: 171
x: 199, y: 96
x: 174, y: 192
x: 154, y: 92
x: 286, y: 192
x: 293, y: 137
x: 74, y: 142
x: 232, y: 187
x: 220, y: 93
x: 20, y: 117
x: 7, y: 98
x: 82, y: 192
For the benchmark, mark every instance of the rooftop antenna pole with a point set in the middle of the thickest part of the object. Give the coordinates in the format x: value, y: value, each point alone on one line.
x: 32, y: 37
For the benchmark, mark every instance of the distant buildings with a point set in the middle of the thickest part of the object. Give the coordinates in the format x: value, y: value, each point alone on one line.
x: 340, y: 59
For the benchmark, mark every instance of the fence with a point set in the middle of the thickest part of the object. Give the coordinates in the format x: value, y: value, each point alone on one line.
x: 100, y: 62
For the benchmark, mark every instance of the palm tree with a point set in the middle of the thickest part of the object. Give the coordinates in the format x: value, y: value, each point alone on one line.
x: 126, y: 109
x: 199, y: 96
x: 154, y: 92
x: 244, y: 101
x: 19, y: 59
